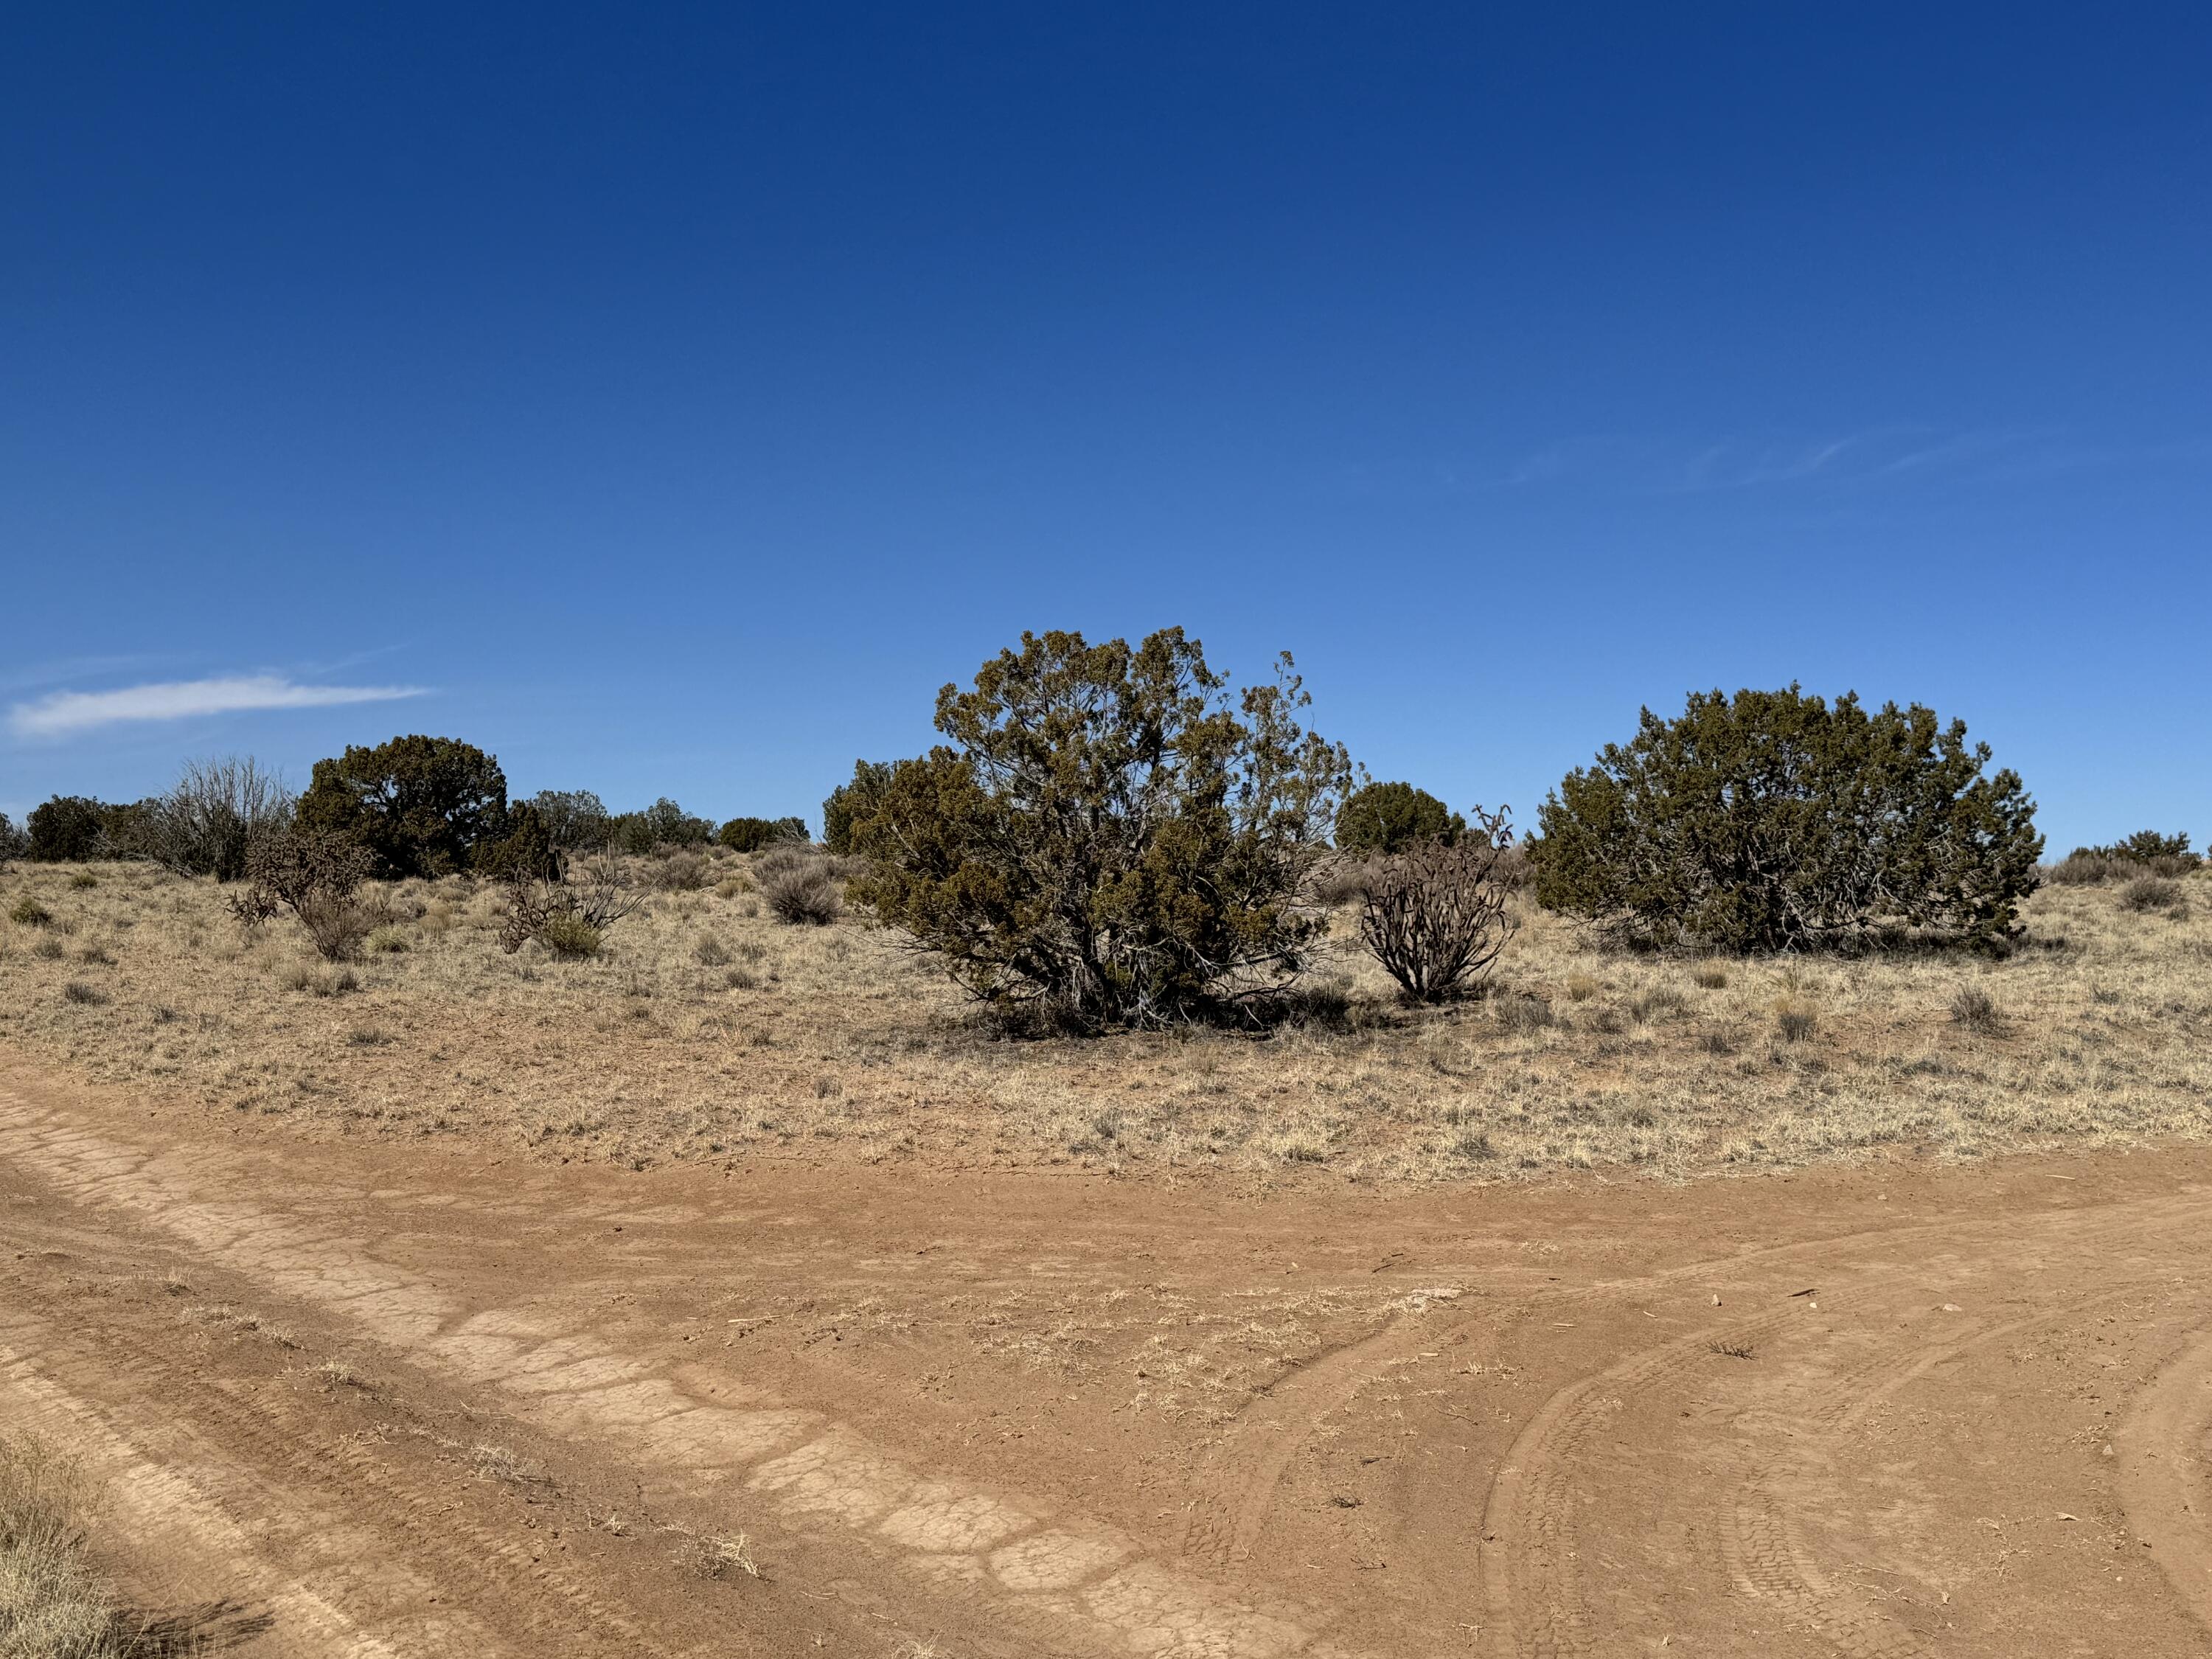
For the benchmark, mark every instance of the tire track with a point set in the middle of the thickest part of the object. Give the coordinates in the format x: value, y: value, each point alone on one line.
x: 1069, y: 1585
x: 1531, y: 1524
x: 2165, y: 1473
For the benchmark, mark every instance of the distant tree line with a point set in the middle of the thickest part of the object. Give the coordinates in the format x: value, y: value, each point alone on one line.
x: 416, y: 806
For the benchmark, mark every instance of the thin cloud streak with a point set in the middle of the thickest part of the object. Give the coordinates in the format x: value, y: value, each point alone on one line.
x: 61, y: 713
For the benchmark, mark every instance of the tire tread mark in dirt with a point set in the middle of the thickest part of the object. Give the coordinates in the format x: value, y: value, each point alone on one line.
x: 1529, y: 1522
x: 1141, y: 1600
x: 2165, y: 1473
x: 1227, y: 1523
x: 460, y: 1553
x: 1767, y: 1558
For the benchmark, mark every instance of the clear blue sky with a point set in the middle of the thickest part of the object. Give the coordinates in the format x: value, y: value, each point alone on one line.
x: 674, y: 398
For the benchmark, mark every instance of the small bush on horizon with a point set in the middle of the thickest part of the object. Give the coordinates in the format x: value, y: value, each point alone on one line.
x: 752, y: 835
x: 1383, y: 818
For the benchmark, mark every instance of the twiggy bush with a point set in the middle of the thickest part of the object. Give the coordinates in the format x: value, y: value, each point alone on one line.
x: 1432, y: 916
x: 316, y: 874
x: 569, y: 918
x: 208, y: 822
x: 678, y: 872
x: 2153, y: 893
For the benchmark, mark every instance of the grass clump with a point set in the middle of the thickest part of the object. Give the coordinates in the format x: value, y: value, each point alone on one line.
x: 54, y: 1605
x: 28, y: 912
x: 2147, y: 893
x: 1795, y: 1020
x: 1973, y: 1009
x: 570, y: 937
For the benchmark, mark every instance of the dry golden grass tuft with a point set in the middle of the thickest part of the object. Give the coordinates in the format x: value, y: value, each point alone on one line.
x: 705, y: 1029
x: 54, y: 1604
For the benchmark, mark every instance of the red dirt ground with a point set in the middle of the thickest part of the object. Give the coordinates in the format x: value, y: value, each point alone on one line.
x: 1881, y: 1410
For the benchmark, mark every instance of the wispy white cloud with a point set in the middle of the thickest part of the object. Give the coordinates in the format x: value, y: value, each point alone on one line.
x: 61, y: 712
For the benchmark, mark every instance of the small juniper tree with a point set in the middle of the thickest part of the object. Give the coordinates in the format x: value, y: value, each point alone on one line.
x: 423, y: 805
x: 1105, y: 835
x: 852, y: 801
x: 1776, y: 821
x: 1391, y: 817
x: 752, y: 835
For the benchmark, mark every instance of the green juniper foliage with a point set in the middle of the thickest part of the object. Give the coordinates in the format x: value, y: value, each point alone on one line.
x: 751, y: 835
x: 528, y: 852
x: 423, y: 806
x: 1778, y: 821
x: 575, y: 819
x: 1105, y: 837
x: 1393, y: 817
x: 664, y: 824
x: 849, y: 803
x: 67, y: 829
x: 2144, y: 847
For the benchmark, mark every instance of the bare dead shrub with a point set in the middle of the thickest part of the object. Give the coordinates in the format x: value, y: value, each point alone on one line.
x: 208, y: 821
x: 1433, y: 917
x: 316, y: 874
x: 570, y: 917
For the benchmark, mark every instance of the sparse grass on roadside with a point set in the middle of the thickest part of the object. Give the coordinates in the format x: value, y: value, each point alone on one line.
x: 704, y: 1027
x: 507, y: 1467
x: 717, y: 1555
x: 54, y: 1603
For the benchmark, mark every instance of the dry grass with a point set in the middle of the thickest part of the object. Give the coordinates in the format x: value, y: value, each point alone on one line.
x: 54, y: 1604
x: 706, y: 1030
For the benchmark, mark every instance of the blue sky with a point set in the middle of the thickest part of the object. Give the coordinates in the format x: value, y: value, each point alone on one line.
x: 670, y: 399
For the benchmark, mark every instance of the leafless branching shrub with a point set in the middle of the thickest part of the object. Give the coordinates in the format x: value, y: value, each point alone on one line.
x: 1434, y: 917
x: 207, y: 823
x: 570, y: 917
x: 317, y: 876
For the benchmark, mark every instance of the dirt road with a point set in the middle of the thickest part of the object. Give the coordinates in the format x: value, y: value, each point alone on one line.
x: 382, y: 1401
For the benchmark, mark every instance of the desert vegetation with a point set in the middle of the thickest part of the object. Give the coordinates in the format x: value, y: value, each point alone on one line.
x: 1125, y: 916
x: 54, y: 1601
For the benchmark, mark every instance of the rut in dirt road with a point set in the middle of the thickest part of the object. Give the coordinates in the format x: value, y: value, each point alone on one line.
x: 1873, y: 1438
x: 990, y: 1562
